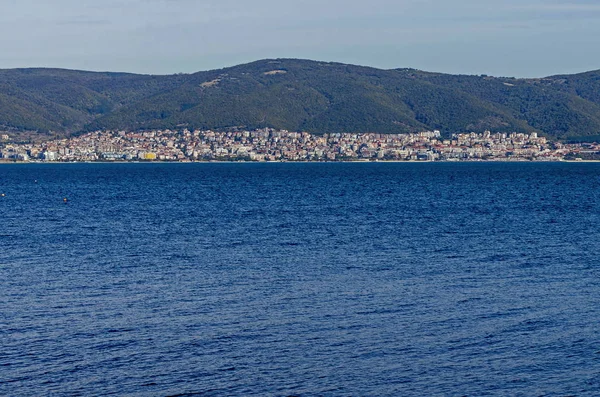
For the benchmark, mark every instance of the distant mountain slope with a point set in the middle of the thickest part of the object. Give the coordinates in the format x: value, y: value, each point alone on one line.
x: 68, y: 100
x: 299, y: 95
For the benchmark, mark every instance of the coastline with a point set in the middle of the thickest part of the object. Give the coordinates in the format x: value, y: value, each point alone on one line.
x: 298, y: 162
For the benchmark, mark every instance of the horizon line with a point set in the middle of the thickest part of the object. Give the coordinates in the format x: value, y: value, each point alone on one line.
x: 285, y: 59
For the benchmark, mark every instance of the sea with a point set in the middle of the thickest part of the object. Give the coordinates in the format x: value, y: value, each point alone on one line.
x: 300, y: 279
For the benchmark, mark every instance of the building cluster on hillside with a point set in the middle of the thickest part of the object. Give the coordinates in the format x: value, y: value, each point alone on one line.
x: 280, y: 145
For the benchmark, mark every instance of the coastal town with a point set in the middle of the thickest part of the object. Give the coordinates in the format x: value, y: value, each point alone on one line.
x: 281, y: 145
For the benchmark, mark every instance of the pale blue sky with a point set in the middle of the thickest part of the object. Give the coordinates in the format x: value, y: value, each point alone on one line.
x: 523, y: 38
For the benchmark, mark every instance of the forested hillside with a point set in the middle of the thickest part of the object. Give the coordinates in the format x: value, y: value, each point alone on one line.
x: 298, y: 95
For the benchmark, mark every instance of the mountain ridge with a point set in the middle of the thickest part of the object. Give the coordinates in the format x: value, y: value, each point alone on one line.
x: 296, y: 94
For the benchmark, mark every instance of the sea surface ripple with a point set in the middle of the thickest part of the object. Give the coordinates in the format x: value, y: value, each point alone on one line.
x: 376, y: 279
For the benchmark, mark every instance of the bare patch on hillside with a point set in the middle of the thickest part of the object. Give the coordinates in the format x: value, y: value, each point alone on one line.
x: 210, y: 83
x: 272, y: 72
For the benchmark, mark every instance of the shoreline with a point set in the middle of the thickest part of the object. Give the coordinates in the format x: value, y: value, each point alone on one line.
x: 297, y: 162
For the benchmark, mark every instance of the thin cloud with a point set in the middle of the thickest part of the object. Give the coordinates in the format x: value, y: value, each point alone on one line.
x: 567, y: 6
x: 83, y: 20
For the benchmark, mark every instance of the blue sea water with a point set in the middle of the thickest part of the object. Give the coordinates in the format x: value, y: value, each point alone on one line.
x: 437, y: 279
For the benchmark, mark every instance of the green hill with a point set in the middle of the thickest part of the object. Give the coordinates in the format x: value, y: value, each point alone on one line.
x: 296, y: 94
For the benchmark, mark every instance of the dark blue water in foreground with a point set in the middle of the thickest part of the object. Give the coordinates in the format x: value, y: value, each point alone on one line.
x: 300, y: 279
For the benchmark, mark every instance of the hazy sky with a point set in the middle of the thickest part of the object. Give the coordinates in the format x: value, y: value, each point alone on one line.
x: 531, y: 38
